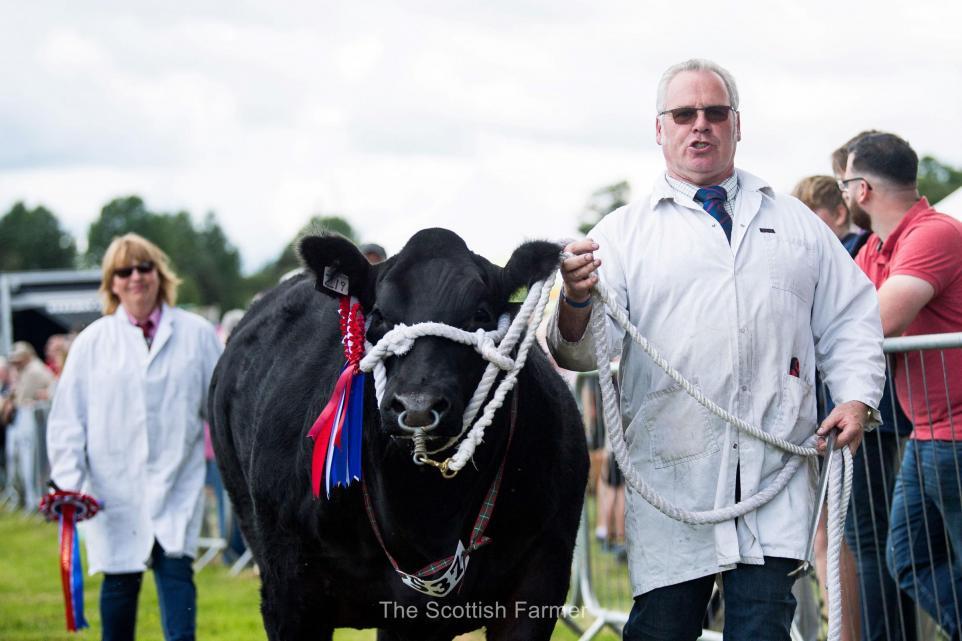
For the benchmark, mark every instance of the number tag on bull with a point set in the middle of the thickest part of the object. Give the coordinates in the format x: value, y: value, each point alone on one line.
x: 335, y: 281
x: 443, y: 585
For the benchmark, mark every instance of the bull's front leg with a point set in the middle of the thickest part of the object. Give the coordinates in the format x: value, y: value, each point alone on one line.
x: 525, y: 626
x: 288, y: 614
x: 534, y: 605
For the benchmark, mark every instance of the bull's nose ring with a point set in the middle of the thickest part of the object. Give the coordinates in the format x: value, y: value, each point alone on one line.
x: 414, y: 428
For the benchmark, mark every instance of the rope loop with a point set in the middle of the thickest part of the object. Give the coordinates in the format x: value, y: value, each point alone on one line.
x: 490, y: 352
x: 839, y: 488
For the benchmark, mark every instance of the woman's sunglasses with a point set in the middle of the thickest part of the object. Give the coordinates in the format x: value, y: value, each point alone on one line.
x: 144, y: 267
x: 687, y: 115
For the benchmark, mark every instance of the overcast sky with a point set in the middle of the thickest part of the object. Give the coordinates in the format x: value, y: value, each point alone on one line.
x: 494, y: 118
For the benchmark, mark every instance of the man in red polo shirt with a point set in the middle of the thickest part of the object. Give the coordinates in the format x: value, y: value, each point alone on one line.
x: 914, y: 257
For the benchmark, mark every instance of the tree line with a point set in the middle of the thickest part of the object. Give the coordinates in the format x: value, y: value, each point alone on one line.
x: 210, y: 264
x: 202, y: 254
x: 936, y: 180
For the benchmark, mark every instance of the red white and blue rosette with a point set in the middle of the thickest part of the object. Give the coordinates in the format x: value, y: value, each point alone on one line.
x: 69, y: 508
x: 336, y: 459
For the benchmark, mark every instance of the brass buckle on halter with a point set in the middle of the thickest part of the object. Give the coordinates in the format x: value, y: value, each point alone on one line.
x: 443, y: 466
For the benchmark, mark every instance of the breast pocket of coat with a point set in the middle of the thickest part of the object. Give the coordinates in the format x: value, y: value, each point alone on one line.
x: 792, y: 266
x: 678, y: 428
x: 795, y: 421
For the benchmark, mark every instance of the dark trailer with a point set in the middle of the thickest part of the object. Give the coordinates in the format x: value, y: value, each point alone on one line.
x: 35, y: 305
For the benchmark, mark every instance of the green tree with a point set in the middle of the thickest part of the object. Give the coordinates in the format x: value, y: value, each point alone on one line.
x: 34, y: 239
x: 202, y: 255
x: 937, y: 179
x: 602, y: 202
x: 118, y: 217
x: 220, y: 270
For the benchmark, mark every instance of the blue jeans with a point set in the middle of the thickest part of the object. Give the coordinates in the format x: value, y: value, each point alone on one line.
x: 887, y: 613
x: 925, y: 539
x: 758, y: 606
x: 227, y: 528
x: 212, y: 479
x: 175, y: 592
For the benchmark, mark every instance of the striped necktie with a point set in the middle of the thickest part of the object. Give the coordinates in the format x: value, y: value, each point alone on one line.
x: 147, y: 327
x: 713, y: 199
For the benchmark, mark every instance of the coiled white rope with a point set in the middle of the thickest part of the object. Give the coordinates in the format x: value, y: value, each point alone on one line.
x: 839, y: 489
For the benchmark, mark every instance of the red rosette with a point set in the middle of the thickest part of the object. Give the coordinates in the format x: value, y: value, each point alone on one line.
x: 84, y: 506
x: 67, y: 508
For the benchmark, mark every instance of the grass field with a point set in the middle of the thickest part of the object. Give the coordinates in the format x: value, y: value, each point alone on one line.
x: 31, y: 603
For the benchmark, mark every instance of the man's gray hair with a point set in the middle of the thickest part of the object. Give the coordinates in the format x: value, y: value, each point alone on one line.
x: 695, y: 64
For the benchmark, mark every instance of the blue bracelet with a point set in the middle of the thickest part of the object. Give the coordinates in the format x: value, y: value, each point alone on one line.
x: 570, y: 302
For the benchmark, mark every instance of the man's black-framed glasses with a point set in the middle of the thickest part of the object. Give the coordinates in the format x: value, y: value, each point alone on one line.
x: 843, y: 184
x: 687, y: 115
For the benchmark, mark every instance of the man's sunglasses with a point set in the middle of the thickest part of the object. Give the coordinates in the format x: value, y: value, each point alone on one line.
x: 144, y: 267
x: 687, y: 115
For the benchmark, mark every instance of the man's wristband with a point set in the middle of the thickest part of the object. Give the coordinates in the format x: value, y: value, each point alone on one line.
x: 572, y: 303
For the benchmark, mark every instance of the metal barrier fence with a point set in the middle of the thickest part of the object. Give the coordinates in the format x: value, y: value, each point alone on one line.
x: 909, y: 582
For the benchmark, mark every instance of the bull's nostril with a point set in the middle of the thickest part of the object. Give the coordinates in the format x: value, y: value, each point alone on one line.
x: 418, y: 411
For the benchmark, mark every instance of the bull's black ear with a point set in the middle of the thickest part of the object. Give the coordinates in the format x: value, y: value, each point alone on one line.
x: 338, y: 266
x: 531, y: 262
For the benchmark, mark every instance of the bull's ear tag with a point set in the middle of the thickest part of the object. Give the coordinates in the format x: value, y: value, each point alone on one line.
x: 335, y: 281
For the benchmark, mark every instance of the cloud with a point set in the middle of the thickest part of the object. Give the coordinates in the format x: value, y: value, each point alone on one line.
x: 496, y: 119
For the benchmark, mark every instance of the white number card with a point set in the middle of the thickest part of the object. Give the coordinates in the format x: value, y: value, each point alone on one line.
x: 443, y: 585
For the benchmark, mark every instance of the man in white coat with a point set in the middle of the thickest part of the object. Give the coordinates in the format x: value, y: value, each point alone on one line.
x: 126, y: 427
x: 746, y: 293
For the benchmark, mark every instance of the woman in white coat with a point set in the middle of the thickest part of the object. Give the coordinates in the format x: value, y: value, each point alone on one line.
x: 126, y: 427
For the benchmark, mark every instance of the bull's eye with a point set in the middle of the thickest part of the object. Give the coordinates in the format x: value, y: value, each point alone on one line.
x: 483, y: 316
x: 375, y: 326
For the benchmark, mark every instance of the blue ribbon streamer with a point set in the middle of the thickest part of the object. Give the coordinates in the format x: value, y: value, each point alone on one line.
x: 77, y: 583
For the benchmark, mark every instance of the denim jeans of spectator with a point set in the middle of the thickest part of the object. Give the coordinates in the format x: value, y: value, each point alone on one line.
x: 176, y: 593
x: 925, y: 537
x: 22, y: 456
x: 888, y: 614
x: 227, y: 524
x: 758, y: 605
x: 213, y: 481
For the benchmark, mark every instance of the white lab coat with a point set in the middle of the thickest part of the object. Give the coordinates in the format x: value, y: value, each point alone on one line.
x: 730, y: 318
x: 127, y: 427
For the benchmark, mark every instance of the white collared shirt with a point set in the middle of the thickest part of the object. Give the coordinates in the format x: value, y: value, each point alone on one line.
x: 685, y: 190
x: 731, y: 319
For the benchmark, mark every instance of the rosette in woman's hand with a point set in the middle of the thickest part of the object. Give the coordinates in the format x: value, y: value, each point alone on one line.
x: 69, y: 508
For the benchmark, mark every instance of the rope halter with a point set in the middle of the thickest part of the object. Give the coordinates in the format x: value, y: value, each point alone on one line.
x: 494, y: 346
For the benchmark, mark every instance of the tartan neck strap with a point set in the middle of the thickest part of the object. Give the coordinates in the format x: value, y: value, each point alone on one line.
x: 480, y: 524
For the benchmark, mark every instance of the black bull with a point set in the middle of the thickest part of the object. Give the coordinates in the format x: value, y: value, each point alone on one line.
x: 321, y: 565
